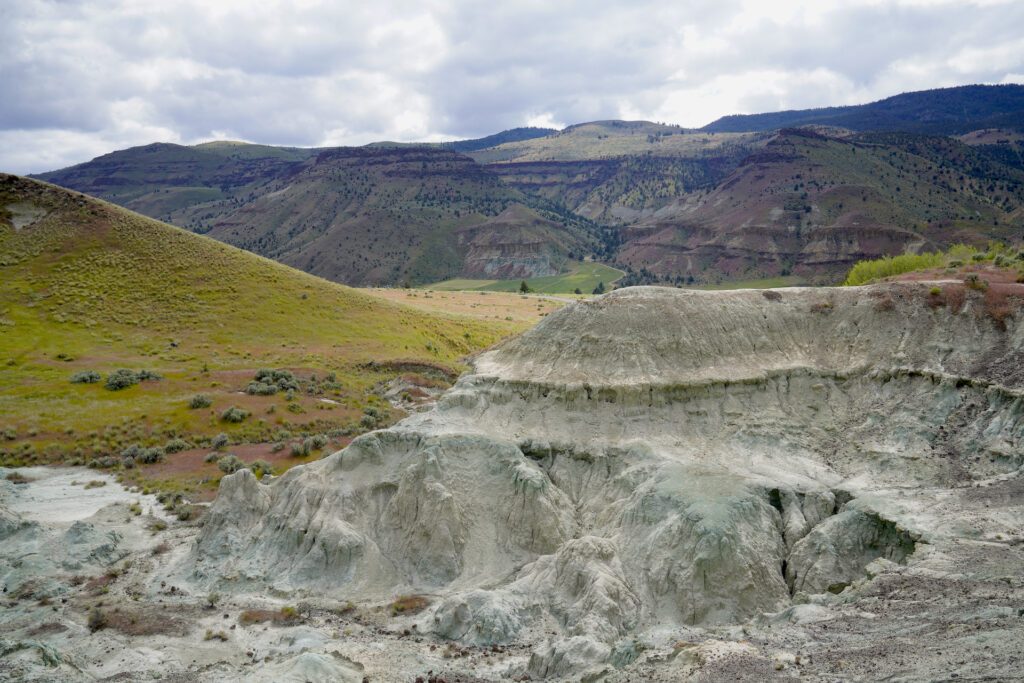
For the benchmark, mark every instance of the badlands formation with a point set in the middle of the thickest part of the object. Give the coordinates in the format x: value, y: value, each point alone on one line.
x: 651, y: 485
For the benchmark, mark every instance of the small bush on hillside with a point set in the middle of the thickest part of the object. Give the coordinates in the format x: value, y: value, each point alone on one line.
x: 261, y: 389
x: 121, y: 379
x: 86, y: 377
x: 97, y: 619
x: 219, y: 441
x: 176, y: 446
x: 316, y: 442
x: 261, y: 467
x: 980, y: 256
x: 212, y: 456
x: 128, y: 463
x: 280, y: 380
x: 935, y: 291
x: 148, y: 376
x: 229, y: 463
x: 866, y: 271
x: 955, y: 263
x: 298, y: 450
x: 200, y: 401
x: 149, y: 456
x: 234, y: 414
x: 368, y: 421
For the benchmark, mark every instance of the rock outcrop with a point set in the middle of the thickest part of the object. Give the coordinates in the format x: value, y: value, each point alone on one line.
x: 650, y: 457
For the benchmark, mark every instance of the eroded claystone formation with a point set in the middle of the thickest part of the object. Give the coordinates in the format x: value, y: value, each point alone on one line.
x: 652, y: 458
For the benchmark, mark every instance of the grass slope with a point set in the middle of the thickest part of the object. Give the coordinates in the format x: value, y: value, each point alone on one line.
x: 88, y: 286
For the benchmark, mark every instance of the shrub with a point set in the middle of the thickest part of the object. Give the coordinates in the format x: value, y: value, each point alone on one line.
x: 121, y: 379
x: 97, y: 619
x: 261, y: 467
x: 864, y: 272
x: 277, y: 447
x: 200, y: 401
x: 127, y: 462
x: 409, y: 604
x: 955, y: 263
x: 229, y: 463
x: 980, y: 256
x: 148, y: 376
x: 176, y: 446
x: 280, y: 379
x: 315, y: 442
x: 298, y: 450
x: 184, y: 511
x: 219, y: 441
x: 213, y: 456
x: 148, y: 456
x: 935, y: 291
x: 234, y: 414
x: 368, y: 421
x: 261, y: 389
x: 86, y: 377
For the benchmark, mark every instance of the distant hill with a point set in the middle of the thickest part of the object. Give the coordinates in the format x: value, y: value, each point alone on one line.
x: 812, y: 205
x: 372, y: 215
x: 945, y: 111
x: 511, y: 135
x: 387, y: 215
x: 664, y: 202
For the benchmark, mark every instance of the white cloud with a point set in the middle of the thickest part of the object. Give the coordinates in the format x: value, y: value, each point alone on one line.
x: 84, y: 77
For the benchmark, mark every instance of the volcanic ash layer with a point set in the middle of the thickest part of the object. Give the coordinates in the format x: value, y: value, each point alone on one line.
x: 650, y: 458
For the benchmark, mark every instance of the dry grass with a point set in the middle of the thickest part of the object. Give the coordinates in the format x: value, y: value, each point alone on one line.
x: 285, y: 616
x: 409, y: 604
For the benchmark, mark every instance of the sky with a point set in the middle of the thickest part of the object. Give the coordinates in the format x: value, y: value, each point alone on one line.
x: 83, y: 78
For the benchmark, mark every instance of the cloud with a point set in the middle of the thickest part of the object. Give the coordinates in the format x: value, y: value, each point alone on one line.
x: 84, y: 77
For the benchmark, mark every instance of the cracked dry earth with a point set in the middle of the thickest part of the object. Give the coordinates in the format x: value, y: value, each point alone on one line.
x: 655, y: 484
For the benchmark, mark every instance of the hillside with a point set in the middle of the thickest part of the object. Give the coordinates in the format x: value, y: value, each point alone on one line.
x: 390, y: 215
x: 944, y: 111
x: 812, y: 205
x: 371, y: 216
x: 160, y: 179
x: 736, y: 201
x: 87, y: 286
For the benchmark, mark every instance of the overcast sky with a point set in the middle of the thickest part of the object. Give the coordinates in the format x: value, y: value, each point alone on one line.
x: 82, y: 78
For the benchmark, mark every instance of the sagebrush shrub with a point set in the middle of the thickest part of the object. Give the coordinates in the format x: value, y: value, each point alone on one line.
x: 176, y: 446
x: 200, y: 401
x: 86, y: 377
x: 234, y: 414
x: 229, y: 463
x: 219, y: 441
x: 261, y: 467
x: 148, y: 456
x: 121, y: 379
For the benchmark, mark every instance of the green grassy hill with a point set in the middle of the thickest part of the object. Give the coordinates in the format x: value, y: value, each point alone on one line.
x: 87, y: 286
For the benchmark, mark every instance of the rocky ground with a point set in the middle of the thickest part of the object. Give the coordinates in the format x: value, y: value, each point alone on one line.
x: 653, y: 485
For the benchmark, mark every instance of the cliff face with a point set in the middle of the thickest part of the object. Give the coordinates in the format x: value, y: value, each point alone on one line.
x: 653, y: 458
x: 515, y: 244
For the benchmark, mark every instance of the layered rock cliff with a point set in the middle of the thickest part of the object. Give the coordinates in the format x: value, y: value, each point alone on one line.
x: 651, y: 457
